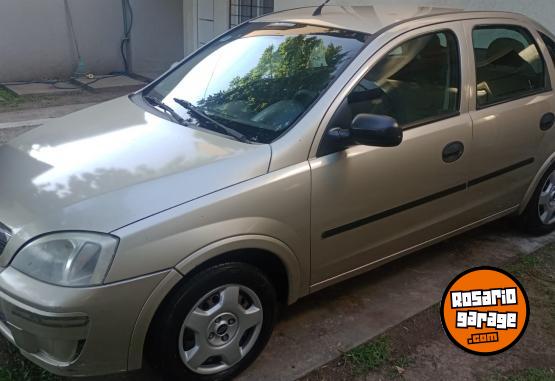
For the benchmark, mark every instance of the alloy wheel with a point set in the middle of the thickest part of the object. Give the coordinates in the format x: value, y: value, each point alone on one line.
x: 221, y: 329
x: 546, y: 203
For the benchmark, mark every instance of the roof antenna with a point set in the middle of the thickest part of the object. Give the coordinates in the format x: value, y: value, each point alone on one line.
x: 318, y: 11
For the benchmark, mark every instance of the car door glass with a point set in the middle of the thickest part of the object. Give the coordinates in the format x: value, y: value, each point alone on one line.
x: 415, y: 82
x: 550, y: 45
x: 508, y: 64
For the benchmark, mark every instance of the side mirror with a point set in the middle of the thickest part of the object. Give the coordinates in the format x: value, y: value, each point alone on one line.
x: 376, y: 131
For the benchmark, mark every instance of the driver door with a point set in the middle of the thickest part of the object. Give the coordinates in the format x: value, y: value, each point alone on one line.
x: 370, y: 204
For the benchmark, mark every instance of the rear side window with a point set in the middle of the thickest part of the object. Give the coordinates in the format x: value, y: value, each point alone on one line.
x: 550, y: 45
x: 508, y: 64
x: 416, y: 82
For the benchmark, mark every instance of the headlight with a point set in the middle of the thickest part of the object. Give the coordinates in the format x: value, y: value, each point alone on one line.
x: 68, y: 259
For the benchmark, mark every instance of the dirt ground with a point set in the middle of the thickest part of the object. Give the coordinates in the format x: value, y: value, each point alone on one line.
x: 10, y: 133
x: 418, y: 349
x: 9, y: 102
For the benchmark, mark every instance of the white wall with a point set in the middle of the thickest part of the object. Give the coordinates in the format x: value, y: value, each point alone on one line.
x: 35, y: 42
x: 203, y: 20
x: 156, y: 38
x: 542, y: 11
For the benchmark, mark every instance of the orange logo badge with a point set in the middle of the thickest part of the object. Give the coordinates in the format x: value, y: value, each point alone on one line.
x: 485, y: 311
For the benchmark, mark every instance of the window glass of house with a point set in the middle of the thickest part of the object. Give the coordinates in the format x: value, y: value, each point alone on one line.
x: 415, y: 82
x: 508, y: 64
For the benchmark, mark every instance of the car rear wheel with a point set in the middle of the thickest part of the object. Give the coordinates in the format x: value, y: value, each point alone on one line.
x: 214, y: 325
x: 539, y: 216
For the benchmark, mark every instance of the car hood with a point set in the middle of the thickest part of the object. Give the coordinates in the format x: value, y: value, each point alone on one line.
x: 114, y: 164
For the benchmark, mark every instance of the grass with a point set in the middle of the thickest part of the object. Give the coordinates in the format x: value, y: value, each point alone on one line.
x: 526, y: 375
x: 369, y: 356
x: 382, y: 358
x: 540, y: 267
x: 15, y: 367
x: 8, y: 98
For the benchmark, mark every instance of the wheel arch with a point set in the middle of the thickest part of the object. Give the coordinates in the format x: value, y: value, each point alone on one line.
x: 535, y: 182
x: 272, y: 256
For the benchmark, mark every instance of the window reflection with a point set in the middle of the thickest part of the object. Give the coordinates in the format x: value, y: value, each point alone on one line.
x: 263, y: 77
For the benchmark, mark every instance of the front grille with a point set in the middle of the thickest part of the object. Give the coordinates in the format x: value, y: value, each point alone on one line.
x: 5, y: 235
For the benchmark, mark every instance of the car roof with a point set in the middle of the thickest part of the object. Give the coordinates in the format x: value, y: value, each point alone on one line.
x: 371, y: 19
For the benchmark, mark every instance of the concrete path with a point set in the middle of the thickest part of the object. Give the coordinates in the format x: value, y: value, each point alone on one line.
x: 322, y: 326
x: 36, y: 117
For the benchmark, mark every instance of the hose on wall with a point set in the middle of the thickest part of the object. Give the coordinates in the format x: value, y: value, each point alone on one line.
x: 80, y: 70
x: 80, y: 63
x: 127, y: 28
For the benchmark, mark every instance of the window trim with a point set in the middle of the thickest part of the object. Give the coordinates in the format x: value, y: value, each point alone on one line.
x: 430, y: 120
x: 547, y: 79
x: 543, y: 37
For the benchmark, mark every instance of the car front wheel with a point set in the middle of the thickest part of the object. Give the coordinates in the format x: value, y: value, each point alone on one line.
x: 215, y: 324
x: 539, y: 216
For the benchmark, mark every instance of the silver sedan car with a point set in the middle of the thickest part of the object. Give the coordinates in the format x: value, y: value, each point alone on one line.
x: 295, y: 151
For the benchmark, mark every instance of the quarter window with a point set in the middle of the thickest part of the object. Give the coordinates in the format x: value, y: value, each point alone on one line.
x: 416, y: 82
x: 508, y: 64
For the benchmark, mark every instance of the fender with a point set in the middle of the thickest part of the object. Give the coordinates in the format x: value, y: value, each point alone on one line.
x: 535, y: 182
x: 261, y: 242
x: 297, y: 288
x: 138, y: 338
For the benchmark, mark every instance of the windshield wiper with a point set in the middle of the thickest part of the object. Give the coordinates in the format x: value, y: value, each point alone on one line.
x: 164, y: 107
x: 226, y: 130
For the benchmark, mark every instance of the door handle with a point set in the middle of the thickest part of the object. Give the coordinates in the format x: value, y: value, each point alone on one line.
x: 453, y: 152
x: 547, y: 121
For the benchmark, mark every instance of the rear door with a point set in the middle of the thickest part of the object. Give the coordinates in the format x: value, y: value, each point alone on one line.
x: 512, y: 111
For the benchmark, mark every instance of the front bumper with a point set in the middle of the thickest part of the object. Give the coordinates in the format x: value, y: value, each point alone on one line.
x: 72, y: 331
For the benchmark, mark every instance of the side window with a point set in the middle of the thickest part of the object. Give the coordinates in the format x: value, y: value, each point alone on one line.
x: 416, y: 82
x: 508, y: 64
x: 550, y: 45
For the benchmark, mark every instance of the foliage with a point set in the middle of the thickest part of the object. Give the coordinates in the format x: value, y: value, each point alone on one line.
x: 15, y: 367
x: 279, y: 73
x: 7, y: 98
x: 370, y: 356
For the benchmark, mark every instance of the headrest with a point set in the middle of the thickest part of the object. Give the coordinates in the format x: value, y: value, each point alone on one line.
x: 432, y: 47
x: 503, y: 46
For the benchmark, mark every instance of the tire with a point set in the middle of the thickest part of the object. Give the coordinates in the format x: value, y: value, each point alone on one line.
x: 539, y: 216
x: 203, y: 331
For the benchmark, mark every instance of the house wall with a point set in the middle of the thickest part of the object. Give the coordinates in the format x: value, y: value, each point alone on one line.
x: 35, y: 42
x: 203, y: 20
x: 157, y: 37
x: 542, y: 11
x: 35, y: 39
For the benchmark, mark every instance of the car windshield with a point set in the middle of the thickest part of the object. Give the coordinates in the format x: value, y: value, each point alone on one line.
x: 259, y: 78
